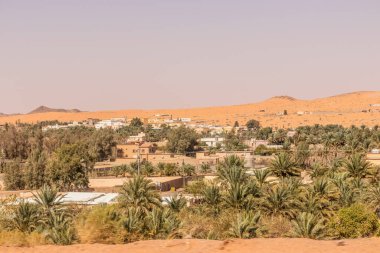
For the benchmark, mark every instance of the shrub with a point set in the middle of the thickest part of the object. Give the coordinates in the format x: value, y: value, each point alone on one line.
x: 15, y: 238
x: 264, y: 150
x: 244, y: 226
x: 354, y: 221
x: 275, y: 226
x: 101, y: 225
x: 307, y: 225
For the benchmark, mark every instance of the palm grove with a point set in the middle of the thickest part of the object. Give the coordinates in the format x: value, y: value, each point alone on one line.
x: 318, y: 186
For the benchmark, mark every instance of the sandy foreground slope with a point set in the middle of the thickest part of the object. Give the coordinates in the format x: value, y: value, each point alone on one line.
x: 283, y: 245
x: 346, y: 109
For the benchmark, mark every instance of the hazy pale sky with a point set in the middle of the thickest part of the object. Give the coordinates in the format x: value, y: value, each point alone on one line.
x: 110, y: 54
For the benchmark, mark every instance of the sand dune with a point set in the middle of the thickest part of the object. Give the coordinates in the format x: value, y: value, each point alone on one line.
x: 346, y: 109
x: 284, y: 245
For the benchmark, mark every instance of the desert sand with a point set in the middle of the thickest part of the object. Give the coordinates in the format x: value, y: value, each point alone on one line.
x: 283, y: 245
x: 347, y: 109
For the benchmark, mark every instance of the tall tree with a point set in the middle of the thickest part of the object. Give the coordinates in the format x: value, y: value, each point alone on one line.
x: 69, y: 166
x: 182, y: 140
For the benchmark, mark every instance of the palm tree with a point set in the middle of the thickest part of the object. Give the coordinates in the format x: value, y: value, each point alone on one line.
x: 322, y: 187
x: 176, y: 203
x: 283, y: 166
x: 244, y: 226
x: 232, y: 175
x: 236, y: 196
x: 308, y: 225
x: 318, y: 170
x: 133, y: 221
x: 25, y: 217
x: 310, y: 202
x: 278, y: 201
x: 357, y: 166
x: 347, y: 195
x: 232, y: 161
x: 140, y: 193
x: 205, y: 168
x: 211, y: 195
x: 373, y: 197
x: 262, y: 176
x: 160, y: 223
x: 292, y: 184
x: 48, y: 199
x: 335, y: 165
x: 60, y: 229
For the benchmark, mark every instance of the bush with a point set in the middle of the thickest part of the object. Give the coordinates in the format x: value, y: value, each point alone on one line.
x: 102, y: 224
x: 355, y: 221
x: 275, y: 226
x: 15, y: 238
x: 264, y: 151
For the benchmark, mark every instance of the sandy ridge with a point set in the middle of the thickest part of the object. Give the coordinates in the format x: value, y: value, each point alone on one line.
x: 346, y: 109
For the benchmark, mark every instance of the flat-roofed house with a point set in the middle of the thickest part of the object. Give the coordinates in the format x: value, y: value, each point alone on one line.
x: 374, y: 157
x: 213, y: 141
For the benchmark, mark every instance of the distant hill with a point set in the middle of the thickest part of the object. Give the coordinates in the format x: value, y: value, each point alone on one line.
x: 357, y: 108
x: 44, y: 109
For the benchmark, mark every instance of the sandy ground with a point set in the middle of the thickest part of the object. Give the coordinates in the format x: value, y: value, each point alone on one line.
x: 283, y: 245
x: 346, y: 109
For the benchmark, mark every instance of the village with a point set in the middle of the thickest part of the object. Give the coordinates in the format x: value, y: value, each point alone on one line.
x: 136, y: 153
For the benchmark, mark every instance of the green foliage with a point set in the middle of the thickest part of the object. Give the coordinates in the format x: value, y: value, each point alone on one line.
x: 234, y: 141
x: 187, y: 170
x: 302, y: 154
x: 264, y: 150
x: 212, y: 196
x: 47, y: 199
x: 168, y: 169
x: 195, y: 187
x: 278, y: 201
x: 68, y: 168
x: 357, y: 166
x: 181, y: 140
x: 13, y: 176
x: 161, y: 223
x: 140, y: 193
x: 245, y: 225
x: 101, y: 144
x: 120, y: 170
x: 147, y: 168
x: 35, y: 169
x: 101, y: 224
x: 261, y: 176
x: 60, y: 229
x: 205, y: 168
x: 355, y: 221
x: 283, y: 166
x: 136, y: 122
x: 307, y: 225
x: 176, y: 203
x: 253, y: 124
x: 25, y: 217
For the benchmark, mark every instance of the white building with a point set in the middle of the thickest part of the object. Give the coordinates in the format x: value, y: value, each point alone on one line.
x: 111, y: 123
x: 185, y: 120
x: 137, y: 138
x: 213, y: 141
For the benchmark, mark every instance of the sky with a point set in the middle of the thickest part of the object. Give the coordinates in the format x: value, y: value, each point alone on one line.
x: 154, y: 54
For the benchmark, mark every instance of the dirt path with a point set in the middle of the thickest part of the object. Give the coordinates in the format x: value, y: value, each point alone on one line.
x: 284, y: 245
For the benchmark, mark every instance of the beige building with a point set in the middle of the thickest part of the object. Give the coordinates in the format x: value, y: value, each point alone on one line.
x: 374, y: 158
x: 132, y: 150
x: 215, y: 158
